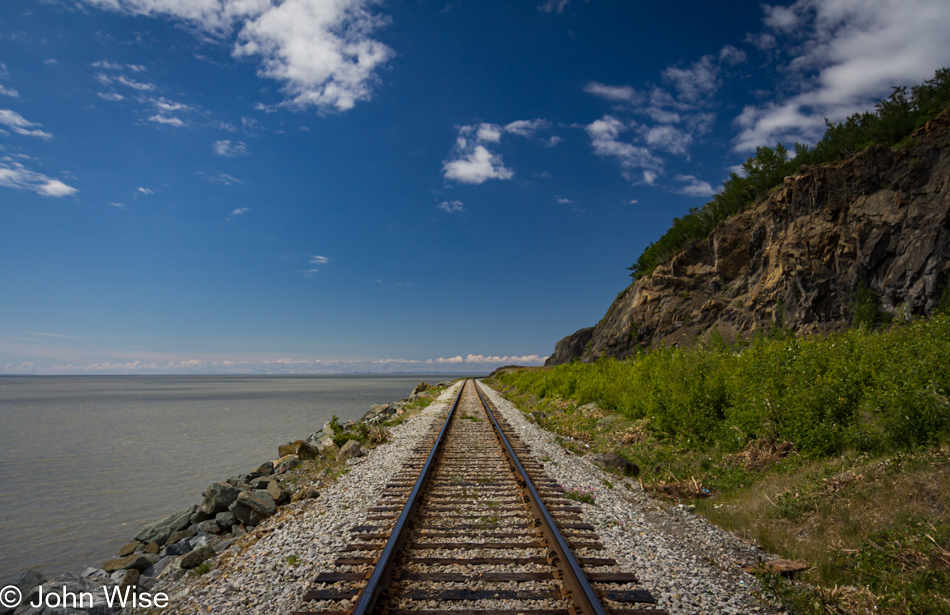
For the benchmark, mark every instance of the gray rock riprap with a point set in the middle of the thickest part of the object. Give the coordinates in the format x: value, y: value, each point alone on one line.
x: 159, y: 531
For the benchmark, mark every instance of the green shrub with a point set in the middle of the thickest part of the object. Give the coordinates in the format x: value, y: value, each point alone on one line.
x: 861, y: 389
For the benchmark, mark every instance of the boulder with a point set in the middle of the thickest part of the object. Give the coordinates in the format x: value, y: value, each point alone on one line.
x: 93, y: 573
x: 266, y: 468
x: 196, y: 557
x: 126, y: 578
x: 159, y: 531
x: 130, y: 548
x: 151, y: 547
x: 28, y: 580
x: 252, y: 507
x: 202, y: 539
x: 351, y: 449
x: 210, y: 526
x: 172, y: 570
x: 614, y: 461
x: 199, y: 516
x: 306, y: 493
x: 238, y: 530
x: 328, y: 447
x: 225, y: 520
x: 155, y: 569
x: 183, y: 534
x: 180, y: 548
x: 240, y: 479
x: 420, y: 388
x: 138, y: 561
x: 260, y: 483
x: 285, y: 464
x: 218, y: 497
x: 276, y: 491
x: 299, y: 448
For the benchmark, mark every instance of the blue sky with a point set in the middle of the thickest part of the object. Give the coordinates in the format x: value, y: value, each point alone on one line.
x: 191, y: 186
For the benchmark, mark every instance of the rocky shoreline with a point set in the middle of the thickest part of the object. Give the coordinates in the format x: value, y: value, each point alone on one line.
x: 263, y: 563
x: 190, y: 539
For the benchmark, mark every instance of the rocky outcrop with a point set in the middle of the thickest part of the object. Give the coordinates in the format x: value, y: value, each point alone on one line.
x: 573, y: 345
x: 880, y: 219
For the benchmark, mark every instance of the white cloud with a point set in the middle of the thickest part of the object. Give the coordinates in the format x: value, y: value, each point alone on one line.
x: 4, y: 91
x: 527, y: 128
x: 321, y: 52
x: 731, y: 55
x: 122, y: 79
x: 553, y: 6
x: 111, y: 96
x: 698, y: 81
x: 451, y: 206
x: 145, y: 191
x: 166, y: 120
x: 563, y: 201
x: 319, y: 260
x: 605, y: 140
x: 476, y: 166
x: 472, y: 162
x: 614, y: 93
x: 119, y: 205
x: 15, y: 175
x: 231, y: 150
x: 18, y: 124
x: 633, y: 202
x: 225, y: 179
x: 842, y: 56
x: 693, y: 186
x: 107, y: 65
x: 239, y: 211
x: 667, y: 138
x: 169, y: 106
x: 490, y: 133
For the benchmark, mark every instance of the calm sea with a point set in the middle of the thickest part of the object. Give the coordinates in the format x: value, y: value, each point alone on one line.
x: 86, y: 460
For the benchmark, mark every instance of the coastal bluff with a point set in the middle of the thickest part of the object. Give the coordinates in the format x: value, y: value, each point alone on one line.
x: 796, y: 259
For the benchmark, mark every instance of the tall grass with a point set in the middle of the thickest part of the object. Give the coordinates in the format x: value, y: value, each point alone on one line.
x: 857, y: 390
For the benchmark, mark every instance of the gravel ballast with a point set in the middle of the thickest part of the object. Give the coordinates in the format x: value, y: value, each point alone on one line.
x: 690, y: 566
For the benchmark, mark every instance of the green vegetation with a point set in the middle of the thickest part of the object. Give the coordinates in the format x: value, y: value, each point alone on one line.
x: 827, y: 450
x: 860, y: 389
x: 581, y: 494
x: 866, y: 310
x: 367, y: 435
x: 891, y: 124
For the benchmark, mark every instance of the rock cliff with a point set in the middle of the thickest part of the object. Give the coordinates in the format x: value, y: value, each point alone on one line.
x: 796, y: 258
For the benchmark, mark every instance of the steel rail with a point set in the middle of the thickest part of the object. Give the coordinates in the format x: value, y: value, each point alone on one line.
x: 382, y: 573
x: 583, y: 594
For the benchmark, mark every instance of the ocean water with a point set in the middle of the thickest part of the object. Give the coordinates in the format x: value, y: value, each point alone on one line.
x: 87, y: 460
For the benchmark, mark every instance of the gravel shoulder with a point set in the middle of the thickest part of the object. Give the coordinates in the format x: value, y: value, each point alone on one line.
x: 690, y: 565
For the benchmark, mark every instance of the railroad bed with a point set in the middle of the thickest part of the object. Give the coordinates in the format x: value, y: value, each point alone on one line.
x: 471, y: 524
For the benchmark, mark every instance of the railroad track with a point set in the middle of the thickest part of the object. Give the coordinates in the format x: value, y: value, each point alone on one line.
x: 471, y: 524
